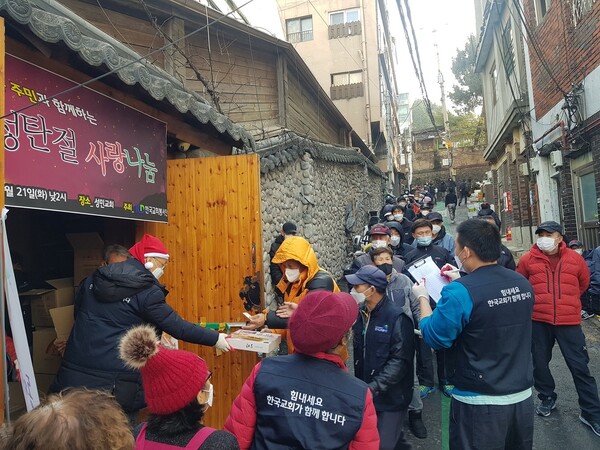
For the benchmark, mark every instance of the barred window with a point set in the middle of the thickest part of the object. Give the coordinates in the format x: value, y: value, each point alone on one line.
x: 580, y: 8
x: 300, y: 29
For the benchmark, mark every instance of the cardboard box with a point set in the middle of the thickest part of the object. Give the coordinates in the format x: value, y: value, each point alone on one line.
x: 63, y: 319
x: 42, y: 300
x: 254, y: 341
x: 43, y: 381
x: 46, y: 359
x: 87, y: 254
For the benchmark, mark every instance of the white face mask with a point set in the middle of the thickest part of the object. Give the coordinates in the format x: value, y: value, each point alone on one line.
x: 424, y: 213
x: 395, y: 240
x: 579, y: 250
x: 436, y: 229
x: 546, y: 244
x: 459, y: 263
x: 378, y: 244
x: 402, y: 203
x: 211, y: 393
x: 292, y: 275
x: 360, y: 297
x: 399, y: 217
x: 158, y: 272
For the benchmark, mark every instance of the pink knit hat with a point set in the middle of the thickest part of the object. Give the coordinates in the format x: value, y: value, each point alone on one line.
x: 171, y: 378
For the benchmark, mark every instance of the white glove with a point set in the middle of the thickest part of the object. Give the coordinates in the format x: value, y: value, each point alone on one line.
x: 222, y: 343
x: 419, y: 290
x: 450, y: 272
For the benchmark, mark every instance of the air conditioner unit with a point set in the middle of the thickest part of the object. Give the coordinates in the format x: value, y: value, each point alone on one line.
x: 556, y: 158
x: 534, y: 164
x: 523, y: 169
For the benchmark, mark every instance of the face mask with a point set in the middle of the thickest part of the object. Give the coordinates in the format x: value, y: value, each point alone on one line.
x: 360, y: 297
x: 292, y: 275
x: 436, y: 229
x: 458, y: 262
x: 402, y: 204
x: 394, y: 241
x: 211, y: 393
x: 378, y: 244
x: 579, y: 251
x: 424, y: 213
x: 424, y: 241
x: 399, y: 217
x: 158, y: 272
x: 546, y: 244
x: 386, y: 268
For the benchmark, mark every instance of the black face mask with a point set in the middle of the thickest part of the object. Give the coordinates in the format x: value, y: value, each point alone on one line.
x: 386, y: 268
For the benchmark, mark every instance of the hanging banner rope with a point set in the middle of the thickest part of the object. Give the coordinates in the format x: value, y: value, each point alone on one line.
x: 15, y: 316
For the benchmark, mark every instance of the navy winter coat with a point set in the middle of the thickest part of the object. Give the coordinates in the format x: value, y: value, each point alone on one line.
x: 110, y: 301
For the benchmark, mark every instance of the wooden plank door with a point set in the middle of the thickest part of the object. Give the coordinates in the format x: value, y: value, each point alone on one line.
x: 214, y: 239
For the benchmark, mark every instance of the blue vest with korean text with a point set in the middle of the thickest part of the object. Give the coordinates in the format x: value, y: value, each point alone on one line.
x: 492, y: 355
x: 306, y: 403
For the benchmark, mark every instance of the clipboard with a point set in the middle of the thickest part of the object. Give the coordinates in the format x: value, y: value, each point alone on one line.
x: 426, y: 268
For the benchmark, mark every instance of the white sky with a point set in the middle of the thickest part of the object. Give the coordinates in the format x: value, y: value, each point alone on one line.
x: 452, y: 20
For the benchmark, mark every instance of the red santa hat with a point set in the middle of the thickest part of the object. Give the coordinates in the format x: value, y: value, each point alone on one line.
x: 149, y: 246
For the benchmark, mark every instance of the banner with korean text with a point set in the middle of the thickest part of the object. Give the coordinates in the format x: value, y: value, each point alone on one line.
x: 81, y: 152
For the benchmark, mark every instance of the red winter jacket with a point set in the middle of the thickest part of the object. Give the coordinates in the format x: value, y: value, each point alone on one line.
x: 556, y: 292
x: 242, y: 417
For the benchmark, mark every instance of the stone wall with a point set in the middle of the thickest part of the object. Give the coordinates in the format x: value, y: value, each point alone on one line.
x: 316, y: 193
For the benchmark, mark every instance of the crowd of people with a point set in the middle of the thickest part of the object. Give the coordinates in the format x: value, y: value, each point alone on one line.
x: 491, y: 333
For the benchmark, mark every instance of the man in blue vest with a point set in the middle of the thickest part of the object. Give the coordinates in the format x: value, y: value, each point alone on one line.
x: 484, y: 320
x: 383, y: 353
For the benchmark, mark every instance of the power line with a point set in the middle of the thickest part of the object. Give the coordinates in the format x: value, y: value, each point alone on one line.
x: 141, y: 60
x: 416, y: 66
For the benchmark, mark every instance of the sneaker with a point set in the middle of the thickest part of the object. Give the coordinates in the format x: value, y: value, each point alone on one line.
x: 545, y: 408
x: 426, y: 390
x: 586, y: 315
x: 416, y: 425
x: 447, y: 390
x: 593, y: 424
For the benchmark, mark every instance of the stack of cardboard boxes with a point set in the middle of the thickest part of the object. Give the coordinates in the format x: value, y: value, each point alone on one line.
x: 52, y: 312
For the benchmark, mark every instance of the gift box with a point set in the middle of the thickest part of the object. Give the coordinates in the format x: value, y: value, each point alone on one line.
x: 254, y: 341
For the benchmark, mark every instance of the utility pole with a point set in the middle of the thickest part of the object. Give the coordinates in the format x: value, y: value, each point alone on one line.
x: 444, y: 110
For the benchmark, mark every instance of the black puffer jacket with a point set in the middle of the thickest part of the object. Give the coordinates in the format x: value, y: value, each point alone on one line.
x: 489, y: 212
x: 110, y: 301
x: 383, y: 354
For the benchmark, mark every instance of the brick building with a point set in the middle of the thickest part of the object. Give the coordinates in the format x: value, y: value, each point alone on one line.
x: 563, y: 53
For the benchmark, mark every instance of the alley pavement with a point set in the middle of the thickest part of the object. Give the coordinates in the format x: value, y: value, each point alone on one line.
x: 561, y: 430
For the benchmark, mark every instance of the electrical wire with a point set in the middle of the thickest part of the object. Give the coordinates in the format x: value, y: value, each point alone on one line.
x: 141, y: 60
x: 416, y: 66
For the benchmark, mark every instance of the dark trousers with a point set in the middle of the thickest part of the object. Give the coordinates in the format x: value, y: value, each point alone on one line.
x: 572, y: 345
x: 425, y: 364
x: 491, y: 427
x: 390, y: 425
x: 463, y: 196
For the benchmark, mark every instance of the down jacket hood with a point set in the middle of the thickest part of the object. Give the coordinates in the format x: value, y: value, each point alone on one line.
x: 117, y: 281
x: 298, y: 249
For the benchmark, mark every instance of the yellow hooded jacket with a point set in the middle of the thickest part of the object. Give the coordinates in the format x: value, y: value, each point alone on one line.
x: 298, y: 249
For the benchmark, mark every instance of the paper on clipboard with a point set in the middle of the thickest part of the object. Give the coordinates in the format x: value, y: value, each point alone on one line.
x: 427, y: 269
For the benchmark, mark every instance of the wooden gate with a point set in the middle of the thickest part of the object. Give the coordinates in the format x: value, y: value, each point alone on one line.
x: 214, y: 239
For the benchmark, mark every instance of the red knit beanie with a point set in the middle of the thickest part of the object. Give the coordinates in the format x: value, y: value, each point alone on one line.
x: 171, y: 378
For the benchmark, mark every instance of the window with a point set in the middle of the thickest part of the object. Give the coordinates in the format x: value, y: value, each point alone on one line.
x: 346, y: 16
x: 341, y: 79
x: 580, y: 7
x: 300, y: 29
x: 508, y: 49
x: 494, y: 82
x: 346, y: 85
x: 541, y: 9
x: 588, y: 199
x: 344, y: 23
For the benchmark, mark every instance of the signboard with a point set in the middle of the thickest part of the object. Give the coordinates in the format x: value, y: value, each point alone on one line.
x: 80, y: 152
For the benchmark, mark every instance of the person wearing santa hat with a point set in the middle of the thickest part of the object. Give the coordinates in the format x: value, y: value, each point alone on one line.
x: 178, y: 392
x: 113, y: 299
